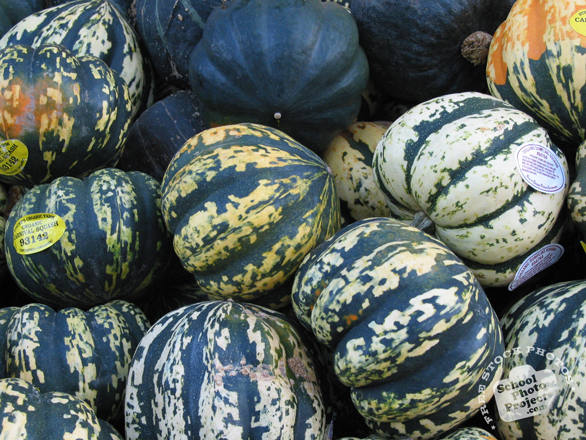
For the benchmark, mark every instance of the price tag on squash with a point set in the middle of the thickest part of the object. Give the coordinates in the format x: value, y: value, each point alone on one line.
x: 36, y: 232
x: 13, y: 157
x: 540, y: 168
x: 578, y: 22
x: 536, y: 262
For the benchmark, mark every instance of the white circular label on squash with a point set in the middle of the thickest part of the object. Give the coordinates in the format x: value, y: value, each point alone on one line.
x: 536, y: 262
x: 540, y: 168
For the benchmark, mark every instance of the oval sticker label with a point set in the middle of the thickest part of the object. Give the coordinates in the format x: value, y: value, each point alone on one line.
x: 536, y: 262
x: 578, y: 22
x: 540, y: 168
x: 36, y: 232
x: 13, y: 157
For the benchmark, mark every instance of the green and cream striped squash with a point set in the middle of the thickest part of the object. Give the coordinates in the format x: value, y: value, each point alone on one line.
x: 3, y: 201
x: 349, y: 156
x: 411, y: 328
x: 70, y: 113
x: 545, y: 330
x: 468, y: 433
x: 114, y: 244
x: 85, y: 354
x: 224, y: 370
x: 536, y: 62
x: 453, y: 159
x: 26, y: 413
x: 91, y: 27
x: 245, y: 203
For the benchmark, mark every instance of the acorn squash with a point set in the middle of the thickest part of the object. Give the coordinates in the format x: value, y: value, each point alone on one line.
x: 85, y: 354
x: 83, y: 242
x: 12, y: 12
x: 411, y: 328
x: 245, y: 203
x: 295, y: 65
x: 485, y: 174
x: 60, y: 114
x: 223, y: 369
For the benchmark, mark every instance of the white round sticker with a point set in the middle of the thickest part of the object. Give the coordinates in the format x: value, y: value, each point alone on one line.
x: 540, y: 168
x: 536, y: 262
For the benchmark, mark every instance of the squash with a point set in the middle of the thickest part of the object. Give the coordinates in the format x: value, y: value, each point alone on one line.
x: 85, y: 354
x: 349, y: 157
x: 60, y: 114
x: 25, y: 412
x: 544, y: 331
x: 3, y: 200
x: 411, y: 328
x: 159, y: 132
x: 223, y: 369
x: 468, y: 433
x: 470, y: 162
x: 421, y: 50
x: 91, y: 27
x: 245, y: 203
x: 294, y: 65
x: 576, y: 199
x: 83, y: 242
x: 12, y: 12
x: 536, y: 63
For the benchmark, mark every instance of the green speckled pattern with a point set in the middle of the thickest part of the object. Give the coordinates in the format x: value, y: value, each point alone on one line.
x: 90, y: 27
x: 224, y: 370
x: 115, y: 242
x: 72, y: 113
x: 453, y: 158
x: 411, y: 327
x: 27, y: 414
x: 551, y: 319
x: 245, y: 203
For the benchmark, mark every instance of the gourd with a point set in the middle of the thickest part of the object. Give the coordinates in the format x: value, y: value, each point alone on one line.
x: 83, y: 242
x: 60, y: 114
x: 91, y: 27
x: 349, y: 156
x: 418, y: 51
x: 536, y: 63
x: 85, y: 354
x: 464, y: 161
x: 245, y: 203
x: 12, y: 12
x: 411, y: 328
x: 544, y: 330
x: 468, y: 433
x: 295, y: 65
x: 223, y: 369
x: 25, y: 412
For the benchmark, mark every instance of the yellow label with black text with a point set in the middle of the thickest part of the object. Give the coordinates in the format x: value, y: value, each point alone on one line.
x: 36, y: 232
x: 578, y: 22
x: 13, y: 157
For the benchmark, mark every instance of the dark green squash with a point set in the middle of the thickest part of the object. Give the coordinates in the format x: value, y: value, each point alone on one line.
x: 224, y: 370
x: 411, y: 328
x: 27, y: 413
x: 114, y: 242
x: 159, y: 132
x: 11, y: 12
x: 85, y: 354
x: 415, y: 49
x: 91, y: 27
x: 295, y: 65
x: 60, y: 114
x: 245, y: 203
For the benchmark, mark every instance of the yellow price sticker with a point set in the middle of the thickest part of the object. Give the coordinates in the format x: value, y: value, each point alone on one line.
x: 36, y: 232
x: 13, y: 157
x: 578, y: 22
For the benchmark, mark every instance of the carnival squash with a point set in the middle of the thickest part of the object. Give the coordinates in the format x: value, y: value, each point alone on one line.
x: 485, y: 174
x: 224, y: 370
x: 411, y: 328
x: 12, y: 12
x: 60, y: 115
x: 295, y: 65
x: 245, y: 203
x: 85, y: 354
x: 536, y: 63
x: 26, y: 413
x: 421, y: 50
x: 83, y: 242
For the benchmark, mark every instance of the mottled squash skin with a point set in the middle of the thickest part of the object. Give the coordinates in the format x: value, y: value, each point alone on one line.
x: 411, y: 328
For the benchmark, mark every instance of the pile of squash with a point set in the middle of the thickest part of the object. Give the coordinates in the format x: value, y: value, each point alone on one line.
x: 292, y: 219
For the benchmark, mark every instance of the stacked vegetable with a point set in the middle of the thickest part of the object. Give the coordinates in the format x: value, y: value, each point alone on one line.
x: 291, y: 219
